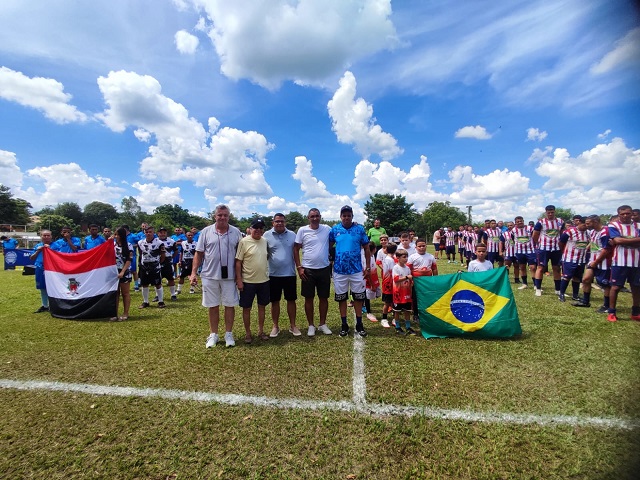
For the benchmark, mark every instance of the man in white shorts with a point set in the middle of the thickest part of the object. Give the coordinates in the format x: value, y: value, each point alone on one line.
x: 216, y: 253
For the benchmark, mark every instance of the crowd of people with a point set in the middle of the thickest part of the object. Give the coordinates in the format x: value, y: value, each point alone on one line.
x: 235, y: 270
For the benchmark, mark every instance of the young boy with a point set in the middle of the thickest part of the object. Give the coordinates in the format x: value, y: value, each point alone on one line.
x: 402, y: 286
x: 387, y: 282
x: 373, y: 290
x: 422, y: 264
x: 480, y: 264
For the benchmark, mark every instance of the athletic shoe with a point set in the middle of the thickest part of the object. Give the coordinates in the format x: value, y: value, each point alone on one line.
x: 344, y: 331
x: 311, y: 331
x: 136, y: 289
x: 602, y: 309
x: 372, y: 317
x: 192, y: 290
x: 174, y: 298
x: 229, y: 340
x: 517, y: 281
x: 523, y: 286
x: 576, y: 298
x: 155, y: 299
x: 385, y: 323
x: 295, y: 332
x: 410, y: 331
x: 635, y: 318
x: 448, y: 261
x: 393, y: 322
x: 612, y: 317
x: 42, y: 309
x: 144, y: 305
x: 361, y: 331
x: 274, y: 332
x: 399, y: 330
x: 324, y: 329
x: 212, y: 340
x: 161, y: 305
x: 580, y: 304
x: 561, y: 297
x: 538, y: 292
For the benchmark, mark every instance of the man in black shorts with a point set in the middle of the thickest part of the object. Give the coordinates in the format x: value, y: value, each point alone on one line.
x: 151, y: 257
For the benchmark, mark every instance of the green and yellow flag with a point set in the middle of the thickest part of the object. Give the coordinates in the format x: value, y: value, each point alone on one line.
x: 476, y: 305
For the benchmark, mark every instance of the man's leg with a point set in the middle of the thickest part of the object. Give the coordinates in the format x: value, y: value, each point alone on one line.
x: 261, y: 315
x: 275, y: 316
x: 291, y: 313
x: 308, y: 309
x: 214, y: 319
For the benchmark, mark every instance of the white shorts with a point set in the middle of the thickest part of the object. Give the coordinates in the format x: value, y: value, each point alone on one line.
x: 219, y: 292
x: 354, y: 282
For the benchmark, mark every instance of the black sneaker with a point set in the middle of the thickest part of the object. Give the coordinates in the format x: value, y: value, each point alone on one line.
x: 174, y: 298
x: 580, y: 304
x: 161, y: 305
x: 576, y: 298
x: 603, y: 309
x: 144, y: 305
x: 42, y: 309
x: 410, y: 331
x: 561, y: 297
x: 344, y: 331
x: 399, y: 330
x: 361, y: 331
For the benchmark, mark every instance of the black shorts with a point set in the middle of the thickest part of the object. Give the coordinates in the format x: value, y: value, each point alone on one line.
x: 253, y: 290
x: 387, y: 298
x: 185, y: 268
x: 318, y: 279
x: 277, y: 285
x: 451, y: 249
x: 402, y: 307
x: 149, y: 274
x: 167, y: 270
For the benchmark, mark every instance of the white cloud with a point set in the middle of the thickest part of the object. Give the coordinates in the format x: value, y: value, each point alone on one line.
x: 10, y: 173
x: 498, y: 185
x: 306, y: 41
x: 535, y: 135
x: 477, y: 132
x: 44, y: 94
x: 228, y: 161
x: 186, y: 43
x: 604, y: 135
x: 152, y: 195
x: 626, y: 52
x: 353, y: 122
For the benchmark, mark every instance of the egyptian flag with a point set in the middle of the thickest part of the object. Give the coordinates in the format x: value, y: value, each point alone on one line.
x: 83, y: 284
x: 469, y: 304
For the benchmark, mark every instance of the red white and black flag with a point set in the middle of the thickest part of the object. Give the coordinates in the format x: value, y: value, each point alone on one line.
x: 83, y: 284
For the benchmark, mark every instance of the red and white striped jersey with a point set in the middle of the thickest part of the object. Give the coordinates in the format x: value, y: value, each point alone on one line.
x: 472, y: 240
x: 450, y: 238
x: 576, y: 243
x: 509, y: 244
x: 522, y: 238
x: 493, y: 239
x: 550, y: 231
x: 462, y: 239
x: 596, y: 246
x: 623, y: 255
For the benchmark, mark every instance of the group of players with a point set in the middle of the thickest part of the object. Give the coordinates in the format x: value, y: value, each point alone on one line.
x: 579, y: 253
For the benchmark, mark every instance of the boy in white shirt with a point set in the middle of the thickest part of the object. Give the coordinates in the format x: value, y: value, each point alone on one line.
x: 480, y: 264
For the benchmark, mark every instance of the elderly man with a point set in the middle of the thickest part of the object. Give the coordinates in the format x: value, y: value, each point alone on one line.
x: 282, y: 273
x: 216, y: 252
x: 314, y: 268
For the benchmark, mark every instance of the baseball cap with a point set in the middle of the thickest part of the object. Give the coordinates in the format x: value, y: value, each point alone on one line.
x: 258, y: 223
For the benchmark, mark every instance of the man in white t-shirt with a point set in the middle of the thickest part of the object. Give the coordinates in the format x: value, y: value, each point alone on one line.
x: 314, y: 268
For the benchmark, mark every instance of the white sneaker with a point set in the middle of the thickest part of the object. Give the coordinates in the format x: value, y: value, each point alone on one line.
x: 385, y: 323
x: 274, y: 332
x: 212, y: 339
x: 324, y: 329
x: 192, y: 290
x: 538, y: 292
x: 228, y: 338
x: 372, y: 317
x: 523, y: 286
x: 312, y: 331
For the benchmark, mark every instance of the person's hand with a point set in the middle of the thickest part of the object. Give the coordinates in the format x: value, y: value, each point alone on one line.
x: 121, y: 274
x: 193, y: 280
x: 239, y: 284
x: 301, y: 273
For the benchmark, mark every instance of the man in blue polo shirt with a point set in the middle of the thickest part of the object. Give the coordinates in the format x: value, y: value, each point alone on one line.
x: 349, y: 239
x: 94, y: 238
x: 67, y: 243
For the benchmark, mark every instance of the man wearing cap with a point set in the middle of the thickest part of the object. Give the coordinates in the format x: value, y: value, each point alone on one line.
x: 282, y: 272
x: 314, y: 268
x: 349, y: 239
x: 252, y: 277
x: 216, y: 251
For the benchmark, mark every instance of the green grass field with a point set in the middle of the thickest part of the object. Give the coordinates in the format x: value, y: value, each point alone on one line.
x: 569, y: 362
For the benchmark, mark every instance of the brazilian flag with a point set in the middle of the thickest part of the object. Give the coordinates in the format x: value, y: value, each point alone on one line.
x: 469, y: 304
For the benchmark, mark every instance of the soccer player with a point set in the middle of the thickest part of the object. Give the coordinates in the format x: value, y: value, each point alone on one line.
x: 38, y: 260
x: 388, y: 262
x: 624, y: 238
x: 573, y: 244
x: 473, y: 238
x: 492, y: 241
x: 152, y: 256
x: 67, y: 243
x: 402, y: 288
x: 450, y: 244
x: 462, y: 241
x: 186, y: 260
x: 524, y: 250
x: 597, y: 266
x: 166, y: 269
x: 508, y: 251
x: 94, y: 238
x: 546, y: 235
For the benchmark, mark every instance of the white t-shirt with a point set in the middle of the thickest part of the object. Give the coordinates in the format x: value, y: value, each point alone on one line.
x: 315, y: 246
x: 477, y: 266
x: 219, y: 250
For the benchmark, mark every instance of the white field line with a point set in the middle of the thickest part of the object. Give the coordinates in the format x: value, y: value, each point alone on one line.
x: 380, y: 410
x: 359, y: 381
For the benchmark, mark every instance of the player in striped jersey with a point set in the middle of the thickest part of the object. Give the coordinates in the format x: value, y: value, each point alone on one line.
x: 450, y: 244
x: 546, y: 234
x: 508, y: 251
x: 492, y: 241
x: 573, y: 245
x: 597, y: 266
x: 624, y: 238
x: 470, y: 247
x: 524, y: 250
x: 462, y: 240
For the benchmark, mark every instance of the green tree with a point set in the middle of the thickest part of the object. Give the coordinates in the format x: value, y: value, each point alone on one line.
x: 395, y: 214
x: 198, y: 222
x: 70, y: 210
x: 99, y: 213
x: 55, y: 224
x: 295, y: 220
x: 173, y: 214
x: 437, y: 215
x: 13, y: 210
x: 131, y: 213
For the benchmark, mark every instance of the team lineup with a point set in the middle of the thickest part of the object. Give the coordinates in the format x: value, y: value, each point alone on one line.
x: 234, y: 270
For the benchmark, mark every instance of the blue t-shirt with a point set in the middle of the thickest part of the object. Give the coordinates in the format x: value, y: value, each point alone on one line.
x: 349, y: 242
x: 9, y: 244
x: 39, y: 261
x: 61, y: 245
x: 90, y: 242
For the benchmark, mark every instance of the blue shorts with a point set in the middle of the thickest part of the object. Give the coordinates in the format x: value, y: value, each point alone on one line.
x: 572, y: 270
x: 544, y: 256
x: 493, y: 257
x: 40, y: 280
x: 602, y: 277
x: 528, y: 258
x: 134, y: 261
x: 253, y: 290
x: 461, y: 250
x: 620, y: 275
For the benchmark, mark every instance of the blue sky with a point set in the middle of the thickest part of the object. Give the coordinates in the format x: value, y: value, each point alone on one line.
x: 279, y: 105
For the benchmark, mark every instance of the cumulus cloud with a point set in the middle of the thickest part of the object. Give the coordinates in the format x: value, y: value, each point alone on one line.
x: 625, y: 52
x: 44, y: 94
x: 497, y: 185
x: 612, y: 166
x: 477, y: 132
x: 306, y: 41
x: 152, y: 195
x: 186, y: 43
x: 353, y: 122
x: 535, y: 135
x: 228, y: 161
x: 10, y: 173
x: 604, y: 135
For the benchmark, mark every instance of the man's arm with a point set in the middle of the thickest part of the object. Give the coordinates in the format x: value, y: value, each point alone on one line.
x: 238, y: 266
x: 197, y: 260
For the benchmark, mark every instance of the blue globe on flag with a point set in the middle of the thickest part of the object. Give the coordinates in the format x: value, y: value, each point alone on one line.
x: 467, y: 306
